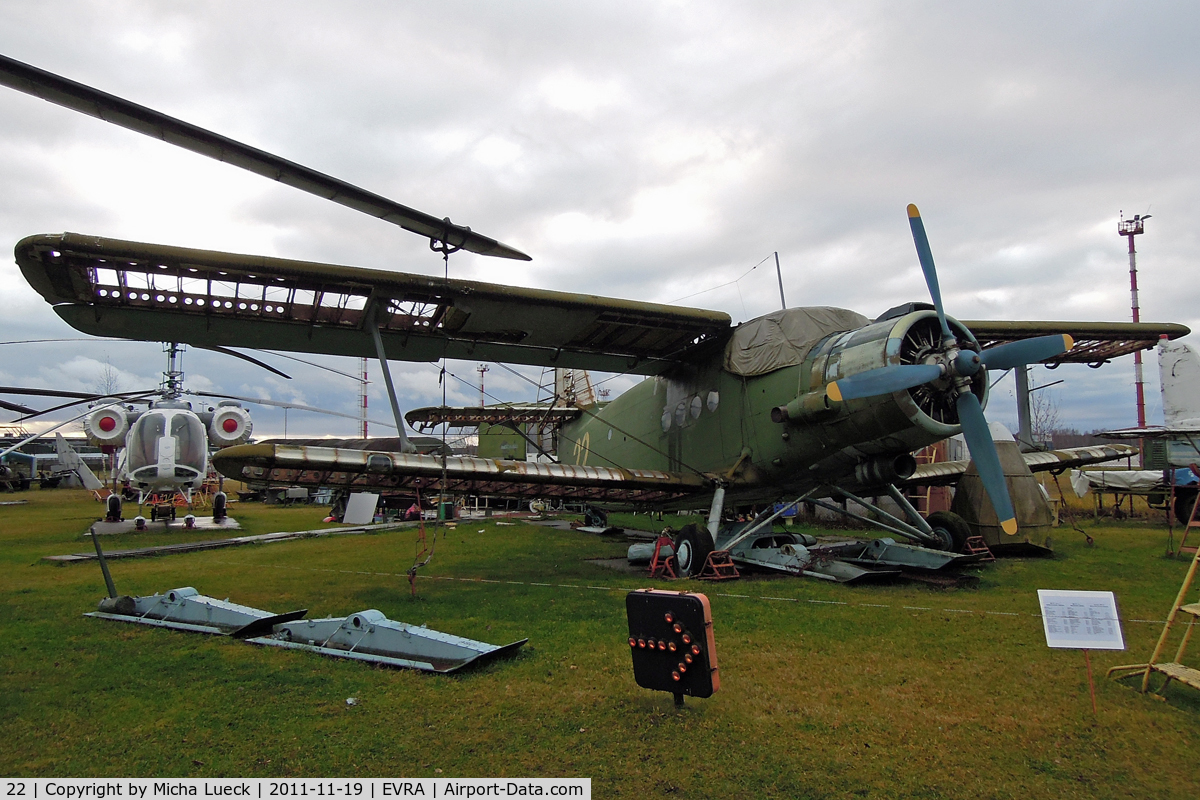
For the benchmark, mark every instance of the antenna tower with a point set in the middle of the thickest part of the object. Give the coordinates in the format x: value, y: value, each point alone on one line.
x: 482, y: 368
x: 1130, y: 228
x: 362, y: 395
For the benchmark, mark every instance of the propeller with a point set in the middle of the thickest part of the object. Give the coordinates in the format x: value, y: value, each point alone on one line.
x: 442, y: 233
x: 949, y: 369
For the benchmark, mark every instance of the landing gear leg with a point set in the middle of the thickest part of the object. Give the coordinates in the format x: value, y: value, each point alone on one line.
x: 714, y: 513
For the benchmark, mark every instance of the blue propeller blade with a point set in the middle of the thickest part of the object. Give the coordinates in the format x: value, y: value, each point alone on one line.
x: 883, y: 380
x: 987, y: 461
x: 926, y: 257
x: 1026, y: 351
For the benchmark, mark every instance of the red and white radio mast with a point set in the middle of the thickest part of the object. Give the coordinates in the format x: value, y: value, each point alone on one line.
x: 1130, y: 228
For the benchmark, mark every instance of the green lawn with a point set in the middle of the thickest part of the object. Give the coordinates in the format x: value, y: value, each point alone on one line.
x: 827, y: 690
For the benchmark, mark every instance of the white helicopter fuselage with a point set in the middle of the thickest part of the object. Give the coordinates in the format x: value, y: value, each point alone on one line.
x: 166, y: 450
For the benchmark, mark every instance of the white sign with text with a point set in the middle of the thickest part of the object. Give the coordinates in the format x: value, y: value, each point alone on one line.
x: 1081, y: 620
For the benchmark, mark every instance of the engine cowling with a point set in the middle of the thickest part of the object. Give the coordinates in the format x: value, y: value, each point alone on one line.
x: 107, y: 426
x: 230, y: 425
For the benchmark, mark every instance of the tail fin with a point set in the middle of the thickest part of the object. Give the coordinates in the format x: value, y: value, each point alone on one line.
x: 1179, y: 367
x: 71, y: 460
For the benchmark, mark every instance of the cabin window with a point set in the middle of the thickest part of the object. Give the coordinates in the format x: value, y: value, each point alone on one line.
x: 191, y: 441
x: 143, y: 440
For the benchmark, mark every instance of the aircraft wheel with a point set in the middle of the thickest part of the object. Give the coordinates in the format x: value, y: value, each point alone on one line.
x: 1184, y: 499
x: 114, y: 508
x: 153, y: 513
x: 692, y: 546
x: 951, y: 529
x: 218, y: 506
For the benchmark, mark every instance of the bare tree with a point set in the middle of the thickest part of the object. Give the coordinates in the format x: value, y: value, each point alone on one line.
x: 1043, y: 414
x: 109, y: 381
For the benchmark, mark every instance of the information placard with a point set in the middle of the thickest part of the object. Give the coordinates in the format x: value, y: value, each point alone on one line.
x: 1081, y: 620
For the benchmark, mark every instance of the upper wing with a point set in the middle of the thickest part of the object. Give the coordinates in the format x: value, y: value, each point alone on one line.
x: 108, y: 287
x: 946, y: 473
x: 1151, y: 432
x: 364, y: 470
x: 540, y: 416
x: 1095, y: 342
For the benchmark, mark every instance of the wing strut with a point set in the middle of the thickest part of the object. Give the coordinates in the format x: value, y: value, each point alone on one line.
x: 405, y: 445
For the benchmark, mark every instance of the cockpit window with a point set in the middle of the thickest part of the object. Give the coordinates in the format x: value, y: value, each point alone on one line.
x: 143, y: 440
x: 190, y: 441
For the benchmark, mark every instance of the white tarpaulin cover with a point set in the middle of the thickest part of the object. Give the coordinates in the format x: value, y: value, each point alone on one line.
x: 783, y: 339
x: 1136, y: 480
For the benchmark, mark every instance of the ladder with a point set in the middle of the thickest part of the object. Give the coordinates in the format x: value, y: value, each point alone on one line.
x: 718, y: 567
x: 1174, y: 670
x: 975, y: 545
x: 1192, y: 523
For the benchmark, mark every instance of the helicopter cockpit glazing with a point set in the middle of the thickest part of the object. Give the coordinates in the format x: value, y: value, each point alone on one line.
x: 190, y: 438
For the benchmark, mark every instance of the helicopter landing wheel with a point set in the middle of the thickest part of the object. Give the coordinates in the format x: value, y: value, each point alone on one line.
x: 113, y: 508
x: 692, y: 546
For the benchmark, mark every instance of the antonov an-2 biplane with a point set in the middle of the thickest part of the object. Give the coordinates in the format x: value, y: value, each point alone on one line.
x: 803, y: 403
x: 798, y: 403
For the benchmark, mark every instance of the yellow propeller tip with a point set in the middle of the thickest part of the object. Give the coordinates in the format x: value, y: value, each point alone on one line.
x: 1068, y: 342
x: 1009, y: 526
x: 912, y: 210
x: 833, y: 392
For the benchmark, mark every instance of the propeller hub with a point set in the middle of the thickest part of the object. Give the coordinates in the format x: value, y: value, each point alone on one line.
x: 967, y: 363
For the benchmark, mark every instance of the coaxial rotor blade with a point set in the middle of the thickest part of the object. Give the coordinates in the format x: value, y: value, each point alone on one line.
x: 297, y: 406
x: 46, y: 392
x: 883, y: 380
x: 216, y: 348
x: 110, y: 108
x: 20, y: 409
x: 124, y: 397
x: 925, y: 255
x: 1026, y: 351
x: 57, y: 393
x: 987, y: 461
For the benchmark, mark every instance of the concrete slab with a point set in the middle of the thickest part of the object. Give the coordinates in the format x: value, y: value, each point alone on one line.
x: 102, y: 528
x: 189, y: 547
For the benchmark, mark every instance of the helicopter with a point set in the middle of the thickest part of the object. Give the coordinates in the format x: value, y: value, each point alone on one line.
x: 164, y: 448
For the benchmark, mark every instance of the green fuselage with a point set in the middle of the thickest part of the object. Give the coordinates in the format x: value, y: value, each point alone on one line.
x: 714, y: 422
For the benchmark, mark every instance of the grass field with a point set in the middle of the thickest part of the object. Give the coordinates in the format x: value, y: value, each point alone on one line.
x: 827, y: 690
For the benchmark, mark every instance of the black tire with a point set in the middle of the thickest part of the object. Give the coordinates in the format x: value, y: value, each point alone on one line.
x: 692, y: 546
x: 218, y: 507
x: 951, y: 529
x: 1185, y: 498
x: 113, y: 513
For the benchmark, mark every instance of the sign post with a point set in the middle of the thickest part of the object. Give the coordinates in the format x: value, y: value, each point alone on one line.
x: 1081, y: 620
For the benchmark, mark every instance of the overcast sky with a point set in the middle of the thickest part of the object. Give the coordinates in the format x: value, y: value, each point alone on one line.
x: 646, y: 150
